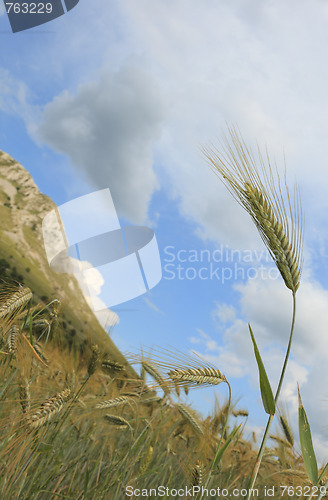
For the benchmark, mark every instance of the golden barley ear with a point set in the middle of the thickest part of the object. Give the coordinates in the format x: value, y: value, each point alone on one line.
x: 12, y: 339
x: 153, y: 372
x: 189, y: 415
x: 198, y: 474
x: 112, y: 366
x: 13, y: 299
x: 251, y: 181
x: 24, y: 394
x: 172, y: 369
x: 111, y: 403
x: 49, y: 409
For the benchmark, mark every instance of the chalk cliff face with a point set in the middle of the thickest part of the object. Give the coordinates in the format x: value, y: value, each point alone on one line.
x: 22, y: 209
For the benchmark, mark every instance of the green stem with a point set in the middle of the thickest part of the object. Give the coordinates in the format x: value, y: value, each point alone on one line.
x: 209, y: 474
x: 270, y: 419
x: 322, y: 492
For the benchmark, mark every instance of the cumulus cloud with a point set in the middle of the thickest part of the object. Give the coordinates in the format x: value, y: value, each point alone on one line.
x: 91, y: 287
x: 251, y: 71
x: 108, y: 129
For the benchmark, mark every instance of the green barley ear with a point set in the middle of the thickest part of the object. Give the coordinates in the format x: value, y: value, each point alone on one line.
x: 250, y: 180
x: 287, y: 430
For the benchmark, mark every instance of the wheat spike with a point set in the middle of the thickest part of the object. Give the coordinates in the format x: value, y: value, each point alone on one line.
x: 14, y: 300
x: 49, y: 409
x: 257, y: 190
x: 189, y: 416
x: 111, y: 403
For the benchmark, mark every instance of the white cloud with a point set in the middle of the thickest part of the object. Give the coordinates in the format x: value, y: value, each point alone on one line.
x: 263, y: 69
x: 250, y: 71
x: 225, y: 313
x: 108, y: 130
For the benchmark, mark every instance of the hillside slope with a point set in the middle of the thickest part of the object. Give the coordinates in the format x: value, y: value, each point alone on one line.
x: 23, y: 258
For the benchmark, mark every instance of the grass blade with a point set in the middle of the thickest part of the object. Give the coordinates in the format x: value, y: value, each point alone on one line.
x: 310, y: 461
x: 266, y: 391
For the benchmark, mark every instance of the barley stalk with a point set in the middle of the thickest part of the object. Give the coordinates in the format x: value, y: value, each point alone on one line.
x: 189, y: 416
x: 153, y: 399
x: 287, y: 430
x: 116, y: 420
x: 24, y: 395
x: 111, y: 403
x: 14, y: 301
x: 153, y: 372
x: 94, y: 360
x: 12, y: 339
x: 198, y: 474
x: 197, y: 376
x: 240, y: 413
x: 274, y: 236
x: 180, y: 369
x: 260, y: 194
x: 112, y: 365
x: 49, y: 409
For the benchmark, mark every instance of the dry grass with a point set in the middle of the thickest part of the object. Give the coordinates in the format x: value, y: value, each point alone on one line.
x: 64, y: 446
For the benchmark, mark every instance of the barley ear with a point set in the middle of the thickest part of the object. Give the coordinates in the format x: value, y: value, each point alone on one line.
x: 251, y: 181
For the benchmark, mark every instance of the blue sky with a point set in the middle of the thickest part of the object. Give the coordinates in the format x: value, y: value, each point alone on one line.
x: 123, y: 94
